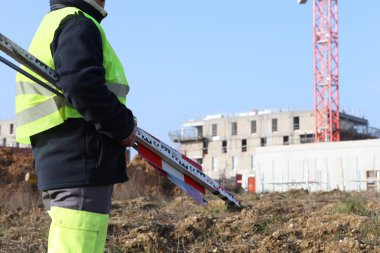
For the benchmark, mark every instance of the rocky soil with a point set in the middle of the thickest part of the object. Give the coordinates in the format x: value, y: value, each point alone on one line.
x: 150, y: 215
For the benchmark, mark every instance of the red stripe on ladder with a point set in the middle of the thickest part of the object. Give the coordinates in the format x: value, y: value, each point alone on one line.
x: 190, y: 181
x: 152, y: 158
x: 194, y: 184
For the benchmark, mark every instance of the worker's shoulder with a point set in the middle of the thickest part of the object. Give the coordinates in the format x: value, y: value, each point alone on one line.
x: 77, y: 29
x: 77, y: 19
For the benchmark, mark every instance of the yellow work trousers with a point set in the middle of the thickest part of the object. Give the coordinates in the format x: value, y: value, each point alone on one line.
x: 75, y: 231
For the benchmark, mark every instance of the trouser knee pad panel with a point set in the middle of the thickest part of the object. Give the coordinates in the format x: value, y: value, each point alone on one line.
x: 75, y: 231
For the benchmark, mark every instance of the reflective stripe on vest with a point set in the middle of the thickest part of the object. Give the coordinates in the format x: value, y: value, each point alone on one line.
x: 37, y: 109
x: 120, y: 90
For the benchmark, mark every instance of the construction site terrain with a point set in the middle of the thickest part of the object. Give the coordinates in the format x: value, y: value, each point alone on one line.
x: 150, y: 215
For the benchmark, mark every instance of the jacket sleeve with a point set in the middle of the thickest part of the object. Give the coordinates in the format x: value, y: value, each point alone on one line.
x: 78, y: 57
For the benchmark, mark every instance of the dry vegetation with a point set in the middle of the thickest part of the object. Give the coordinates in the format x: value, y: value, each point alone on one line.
x: 150, y: 215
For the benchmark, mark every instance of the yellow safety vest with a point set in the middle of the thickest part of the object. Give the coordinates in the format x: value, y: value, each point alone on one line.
x: 38, y: 109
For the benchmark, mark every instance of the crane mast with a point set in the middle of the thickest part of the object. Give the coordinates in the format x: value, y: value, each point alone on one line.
x: 326, y: 70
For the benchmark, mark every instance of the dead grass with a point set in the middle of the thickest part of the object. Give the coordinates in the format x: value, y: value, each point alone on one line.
x: 150, y: 215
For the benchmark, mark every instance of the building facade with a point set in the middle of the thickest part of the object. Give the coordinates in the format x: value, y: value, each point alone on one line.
x: 345, y: 165
x: 8, y: 134
x: 226, y: 146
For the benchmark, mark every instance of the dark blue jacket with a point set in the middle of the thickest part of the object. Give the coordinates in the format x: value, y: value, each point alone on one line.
x: 82, y: 152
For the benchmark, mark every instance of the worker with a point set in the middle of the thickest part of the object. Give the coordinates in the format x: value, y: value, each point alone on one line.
x: 79, y: 139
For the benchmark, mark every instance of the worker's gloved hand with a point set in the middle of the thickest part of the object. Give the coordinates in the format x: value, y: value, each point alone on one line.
x: 130, y: 140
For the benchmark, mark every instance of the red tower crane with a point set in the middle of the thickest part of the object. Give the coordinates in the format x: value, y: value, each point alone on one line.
x: 326, y: 70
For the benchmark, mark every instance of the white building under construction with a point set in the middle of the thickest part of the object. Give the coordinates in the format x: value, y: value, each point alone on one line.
x: 275, y: 151
x: 8, y: 134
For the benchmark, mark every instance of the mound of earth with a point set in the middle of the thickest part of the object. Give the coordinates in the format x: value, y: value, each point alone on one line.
x: 150, y: 215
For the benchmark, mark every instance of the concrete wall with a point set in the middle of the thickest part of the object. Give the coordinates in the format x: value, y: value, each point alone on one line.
x: 8, y: 134
x: 324, y: 166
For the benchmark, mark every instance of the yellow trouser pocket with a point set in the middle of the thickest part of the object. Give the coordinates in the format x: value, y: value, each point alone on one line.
x: 75, y: 231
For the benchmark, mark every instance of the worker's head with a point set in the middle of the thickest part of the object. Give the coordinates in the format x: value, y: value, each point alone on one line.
x: 98, y: 2
x: 101, y: 2
x: 98, y: 5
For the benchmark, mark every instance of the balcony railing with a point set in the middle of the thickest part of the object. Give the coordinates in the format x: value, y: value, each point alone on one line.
x: 372, y: 132
x: 186, y: 135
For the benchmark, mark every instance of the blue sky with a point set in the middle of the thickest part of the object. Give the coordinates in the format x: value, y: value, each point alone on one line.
x: 189, y: 59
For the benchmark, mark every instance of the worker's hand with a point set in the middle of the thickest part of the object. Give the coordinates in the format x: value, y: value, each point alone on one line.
x: 130, y: 140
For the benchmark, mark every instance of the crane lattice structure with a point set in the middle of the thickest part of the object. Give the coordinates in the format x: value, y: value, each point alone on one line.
x: 326, y: 70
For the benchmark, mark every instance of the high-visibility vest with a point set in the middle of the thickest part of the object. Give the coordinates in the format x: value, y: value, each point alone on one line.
x: 38, y: 109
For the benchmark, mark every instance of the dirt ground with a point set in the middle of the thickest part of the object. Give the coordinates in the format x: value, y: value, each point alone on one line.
x: 150, y: 215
